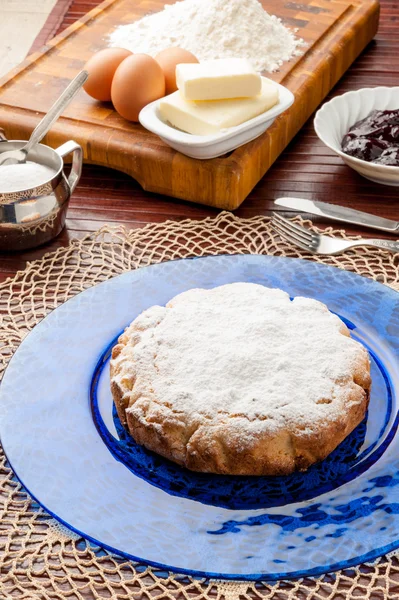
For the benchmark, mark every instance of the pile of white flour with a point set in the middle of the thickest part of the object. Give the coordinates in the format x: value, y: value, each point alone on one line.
x: 213, y: 29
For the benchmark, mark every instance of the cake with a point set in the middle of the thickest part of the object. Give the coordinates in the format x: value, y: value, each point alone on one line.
x: 240, y: 380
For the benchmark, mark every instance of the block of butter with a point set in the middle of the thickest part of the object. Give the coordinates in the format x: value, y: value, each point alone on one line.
x: 209, y: 117
x: 218, y: 79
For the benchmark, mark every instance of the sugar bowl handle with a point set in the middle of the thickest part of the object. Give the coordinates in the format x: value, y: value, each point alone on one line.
x: 77, y: 160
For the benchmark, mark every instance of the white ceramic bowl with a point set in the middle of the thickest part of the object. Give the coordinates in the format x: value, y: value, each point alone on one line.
x: 335, y: 117
x: 211, y: 146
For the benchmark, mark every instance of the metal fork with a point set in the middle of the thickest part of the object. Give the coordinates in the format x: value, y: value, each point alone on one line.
x: 322, y: 244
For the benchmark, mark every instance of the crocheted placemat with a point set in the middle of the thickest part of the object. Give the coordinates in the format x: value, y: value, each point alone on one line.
x: 41, y: 560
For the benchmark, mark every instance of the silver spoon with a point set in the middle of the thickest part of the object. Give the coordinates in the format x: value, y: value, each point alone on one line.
x: 13, y: 157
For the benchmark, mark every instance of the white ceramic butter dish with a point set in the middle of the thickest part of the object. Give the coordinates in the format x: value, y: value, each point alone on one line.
x: 212, y: 146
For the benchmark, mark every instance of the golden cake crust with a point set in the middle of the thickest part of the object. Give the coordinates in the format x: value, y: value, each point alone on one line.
x: 252, y: 416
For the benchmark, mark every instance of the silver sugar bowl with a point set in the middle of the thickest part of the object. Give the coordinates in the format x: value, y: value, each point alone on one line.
x: 32, y: 216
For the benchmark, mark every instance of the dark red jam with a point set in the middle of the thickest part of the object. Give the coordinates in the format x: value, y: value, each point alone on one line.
x: 375, y: 138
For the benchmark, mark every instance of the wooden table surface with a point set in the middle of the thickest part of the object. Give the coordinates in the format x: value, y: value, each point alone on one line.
x: 305, y: 169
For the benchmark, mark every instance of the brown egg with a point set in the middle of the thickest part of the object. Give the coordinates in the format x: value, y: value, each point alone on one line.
x: 101, y: 68
x: 138, y: 81
x: 168, y: 59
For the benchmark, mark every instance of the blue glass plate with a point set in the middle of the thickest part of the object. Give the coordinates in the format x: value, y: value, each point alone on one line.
x: 68, y: 448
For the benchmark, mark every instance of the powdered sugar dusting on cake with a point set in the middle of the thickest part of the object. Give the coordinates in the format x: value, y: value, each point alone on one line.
x: 242, y: 351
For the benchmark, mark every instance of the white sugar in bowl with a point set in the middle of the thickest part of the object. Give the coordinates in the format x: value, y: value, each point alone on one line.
x: 34, y: 196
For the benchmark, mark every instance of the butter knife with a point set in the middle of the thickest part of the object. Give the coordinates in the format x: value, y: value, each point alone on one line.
x: 339, y: 213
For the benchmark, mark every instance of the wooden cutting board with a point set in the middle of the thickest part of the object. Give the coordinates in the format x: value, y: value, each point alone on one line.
x: 335, y: 32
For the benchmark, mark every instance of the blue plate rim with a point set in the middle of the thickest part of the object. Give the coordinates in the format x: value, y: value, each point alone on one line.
x: 315, y: 572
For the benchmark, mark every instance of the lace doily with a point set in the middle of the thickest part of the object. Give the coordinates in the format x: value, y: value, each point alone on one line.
x: 41, y: 560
